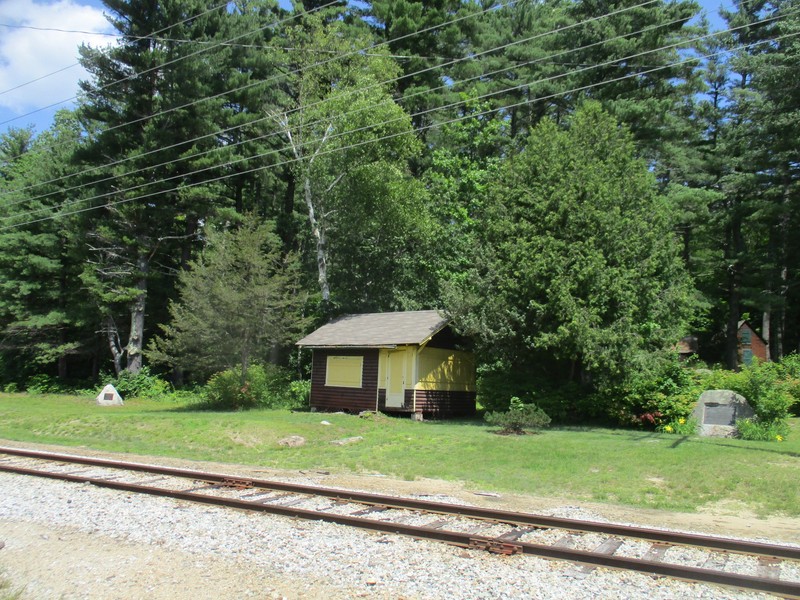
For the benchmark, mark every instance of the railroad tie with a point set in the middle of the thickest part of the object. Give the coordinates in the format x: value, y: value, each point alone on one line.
x: 656, y: 552
x: 608, y: 547
x: 517, y: 533
x: 567, y: 541
x: 769, y: 568
x: 716, y: 561
x: 370, y: 510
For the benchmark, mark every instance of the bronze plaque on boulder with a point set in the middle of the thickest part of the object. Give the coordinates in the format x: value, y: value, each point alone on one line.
x: 719, y: 414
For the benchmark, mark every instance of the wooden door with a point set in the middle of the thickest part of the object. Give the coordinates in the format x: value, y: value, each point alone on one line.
x: 396, y: 379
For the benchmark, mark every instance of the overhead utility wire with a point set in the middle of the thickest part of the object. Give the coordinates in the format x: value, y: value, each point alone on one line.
x: 156, y: 32
x: 184, y: 41
x: 300, y: 70
x: 195, y: 53
x: 336, y: 117
x: 314, y: 104
x: 22, y: 85
x: 421, y: 113
x: 350, y: 132
x: 366, y: 127
x: 390, y: 136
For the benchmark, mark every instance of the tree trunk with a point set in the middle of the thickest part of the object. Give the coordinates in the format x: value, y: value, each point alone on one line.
x: 765, y: 325
x: 114, y: 345
x: 136, y: 337
x: 319, y: 236
x: 734, y: 249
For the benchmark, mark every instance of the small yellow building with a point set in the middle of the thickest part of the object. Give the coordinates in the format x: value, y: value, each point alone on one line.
x: 405, y: 362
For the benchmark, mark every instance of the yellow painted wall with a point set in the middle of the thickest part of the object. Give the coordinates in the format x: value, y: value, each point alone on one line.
x: 448, y: 370
x: 344, y: 371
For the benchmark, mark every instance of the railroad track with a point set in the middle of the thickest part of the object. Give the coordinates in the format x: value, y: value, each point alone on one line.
x: 771, y: 568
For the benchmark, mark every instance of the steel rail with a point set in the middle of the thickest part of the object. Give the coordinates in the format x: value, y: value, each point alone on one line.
x: 500, y: 516
x: 788, y: 589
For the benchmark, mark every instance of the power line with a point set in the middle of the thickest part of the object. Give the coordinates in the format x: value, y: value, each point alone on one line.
x: 241, y: 88
x: 425, y: 70
x: 161, y: 66
x: 342, y: 115
x: 390, y: 136
x: 185, y: 41
x: 520, y: 86
x: 156, y: 32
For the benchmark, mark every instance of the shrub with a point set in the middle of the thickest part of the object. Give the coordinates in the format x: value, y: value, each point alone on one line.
x: 663, y: 391
x: 789, y: 368
x: 143, y: 384
x: 518, y: 418
x: 299, y: 393
x: 42, y: 384
x: 753, y: 429
x: 766, y: 386
x: 563, y: 400
x: 680, y: 426
x: 266, y: 386
x: 495, y: 384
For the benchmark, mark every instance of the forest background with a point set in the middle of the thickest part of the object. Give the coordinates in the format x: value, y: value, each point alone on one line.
x: 579, y: 184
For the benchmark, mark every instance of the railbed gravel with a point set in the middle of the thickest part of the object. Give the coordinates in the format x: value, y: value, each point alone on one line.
x: 303, y: 559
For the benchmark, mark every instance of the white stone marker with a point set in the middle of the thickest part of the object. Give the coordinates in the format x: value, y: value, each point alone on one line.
x: 109, y: 397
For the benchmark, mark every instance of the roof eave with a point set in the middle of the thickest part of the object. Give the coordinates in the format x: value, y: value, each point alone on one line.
x: 349, y: 347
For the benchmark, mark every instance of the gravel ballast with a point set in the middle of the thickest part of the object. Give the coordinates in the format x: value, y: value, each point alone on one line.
x: 66, y: 540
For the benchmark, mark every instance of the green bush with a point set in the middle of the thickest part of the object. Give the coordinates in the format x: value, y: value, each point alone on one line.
x: 680, y: 426
x: 299, y: 393
x: 768, y: 388
x: 143, y: 384
x: 753, y: 429
x: 495, y: 384
x: 661, y: 392
x: 789, y: 368
x: 564, y: 401
x: 518, y: 418
x: 42, y: 384
x: 266, y: 386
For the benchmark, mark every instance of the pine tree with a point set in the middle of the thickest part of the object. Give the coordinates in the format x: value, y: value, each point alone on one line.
x: 43, y: 317
x: 147, y: 110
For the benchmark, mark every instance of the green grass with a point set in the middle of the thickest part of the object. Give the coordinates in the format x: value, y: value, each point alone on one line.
x: 635, y: 468
x: 8, y: 591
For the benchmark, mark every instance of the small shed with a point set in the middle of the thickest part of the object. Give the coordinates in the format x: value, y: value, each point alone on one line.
x: 751, y: 345
x: 403, y: 362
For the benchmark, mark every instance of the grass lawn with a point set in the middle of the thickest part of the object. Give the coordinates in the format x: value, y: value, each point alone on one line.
x: 635, y: 468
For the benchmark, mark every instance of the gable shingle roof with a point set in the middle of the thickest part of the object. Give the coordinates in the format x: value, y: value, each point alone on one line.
x: 377, y: 330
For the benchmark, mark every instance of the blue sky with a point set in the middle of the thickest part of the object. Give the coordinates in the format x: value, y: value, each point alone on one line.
x: 28, y: 54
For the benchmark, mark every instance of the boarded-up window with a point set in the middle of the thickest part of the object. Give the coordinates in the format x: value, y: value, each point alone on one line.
x: 747, y: 356
x: 344, y: 371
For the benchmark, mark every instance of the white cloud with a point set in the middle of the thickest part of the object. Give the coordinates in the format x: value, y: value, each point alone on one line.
x: 28, y: 54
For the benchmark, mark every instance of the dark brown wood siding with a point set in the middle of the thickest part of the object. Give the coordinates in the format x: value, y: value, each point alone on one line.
x: 325, y: 398
x: 439, y: 404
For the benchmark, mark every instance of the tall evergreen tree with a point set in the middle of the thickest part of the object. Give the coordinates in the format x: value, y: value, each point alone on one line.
x: 578, y: 270
x: 43, y: 316
x: 146, y: 101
